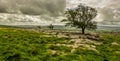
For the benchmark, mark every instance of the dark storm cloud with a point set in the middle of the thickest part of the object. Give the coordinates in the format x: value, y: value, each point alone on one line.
x: 33, y: 7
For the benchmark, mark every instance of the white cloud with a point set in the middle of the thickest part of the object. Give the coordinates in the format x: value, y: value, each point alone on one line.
x: 108, y: 10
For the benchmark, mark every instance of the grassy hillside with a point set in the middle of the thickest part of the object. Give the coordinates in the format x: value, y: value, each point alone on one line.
x: 27, y: 45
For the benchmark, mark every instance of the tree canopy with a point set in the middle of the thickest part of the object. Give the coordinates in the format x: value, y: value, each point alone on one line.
x: 81, y: 17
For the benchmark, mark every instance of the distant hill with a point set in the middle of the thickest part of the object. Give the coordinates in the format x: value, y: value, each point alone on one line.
x: 99, y: 28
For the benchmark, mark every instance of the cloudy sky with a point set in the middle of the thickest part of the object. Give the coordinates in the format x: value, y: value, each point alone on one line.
x: 108, y: 10
x: 31, y: 11
x: 32, y: 7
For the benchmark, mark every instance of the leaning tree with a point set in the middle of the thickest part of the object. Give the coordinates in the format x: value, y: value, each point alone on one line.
x: 81, y: 17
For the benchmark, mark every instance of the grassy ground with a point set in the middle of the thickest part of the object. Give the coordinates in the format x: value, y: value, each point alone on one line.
x: 28, y: 45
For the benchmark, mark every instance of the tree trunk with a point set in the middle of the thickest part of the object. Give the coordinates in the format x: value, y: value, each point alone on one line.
x: 83, y: 30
